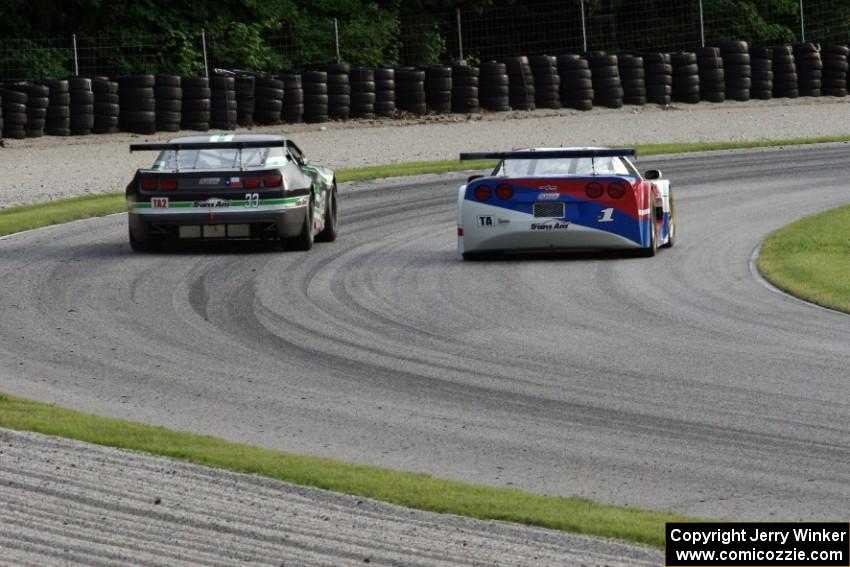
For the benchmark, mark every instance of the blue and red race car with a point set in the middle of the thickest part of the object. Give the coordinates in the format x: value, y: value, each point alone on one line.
x: 546, y: 199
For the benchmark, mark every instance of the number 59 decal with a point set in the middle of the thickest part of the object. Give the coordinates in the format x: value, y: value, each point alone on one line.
x: 252, y: 200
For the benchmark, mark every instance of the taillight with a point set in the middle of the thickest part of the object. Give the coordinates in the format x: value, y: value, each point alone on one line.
x: 272, y: 180
x: 594, y: 190
x: 251, y: 182
x: 504, y: 191
x: 616, y: 190
x: 149, y: 184
x: 168, y: 184
x: 482, y: 193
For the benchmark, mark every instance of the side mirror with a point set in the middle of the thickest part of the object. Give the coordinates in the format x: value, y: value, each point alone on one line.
x: 652, y: 174
x: 472, y: 178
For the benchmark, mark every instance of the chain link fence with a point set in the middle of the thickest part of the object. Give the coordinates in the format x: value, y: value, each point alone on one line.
x: 551, y: 28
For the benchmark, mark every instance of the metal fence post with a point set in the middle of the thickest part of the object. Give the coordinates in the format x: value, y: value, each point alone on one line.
x: 583, y: 27
x: 802, y: 24
x: 702, y: 24
x: 459, y: 36
x: 76, y: 59
x: 204, y: 45
x: 336, y: 38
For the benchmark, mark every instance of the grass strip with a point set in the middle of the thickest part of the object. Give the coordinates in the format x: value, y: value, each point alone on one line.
x: 412, y: 490
x: 27, y: 217
x: 810, y: 259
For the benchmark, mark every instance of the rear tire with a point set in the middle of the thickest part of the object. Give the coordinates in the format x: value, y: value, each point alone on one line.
x: 329, y: 233
x: 652, y: 249
x: 142, y: 243
x: 671, y: 240
x: 304, y: 241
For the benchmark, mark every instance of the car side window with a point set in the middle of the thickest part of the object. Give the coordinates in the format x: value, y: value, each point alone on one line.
x: 295, y: 155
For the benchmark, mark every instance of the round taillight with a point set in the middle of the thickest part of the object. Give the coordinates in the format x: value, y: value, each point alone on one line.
x: 149, y: 184
x: 594, y: 190
x: 616, y: 190
x: 504, y: 191
x: 482, y: 193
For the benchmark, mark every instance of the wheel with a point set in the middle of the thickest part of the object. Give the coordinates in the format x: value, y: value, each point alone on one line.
x: 672, y: 238
x: 303, y: 241
x: 143, y: 243
x: 331, y: 230
x: 651, y: 250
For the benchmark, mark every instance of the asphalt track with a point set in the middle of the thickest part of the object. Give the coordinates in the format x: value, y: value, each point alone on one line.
x: 675, y: 383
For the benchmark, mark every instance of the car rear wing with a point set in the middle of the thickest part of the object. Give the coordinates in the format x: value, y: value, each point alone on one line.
x: 549, y: 154
x: 228, y: 145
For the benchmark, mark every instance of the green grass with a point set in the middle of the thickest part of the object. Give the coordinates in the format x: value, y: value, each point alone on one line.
x: 810, y: 259
x: 406, y: 489
x: 26, y: 217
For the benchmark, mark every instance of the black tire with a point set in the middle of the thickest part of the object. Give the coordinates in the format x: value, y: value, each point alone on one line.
x: 672, y: 240
x: 304, y: 241
x: 329, y: 233
x: 142, y: 243
x: 652, y: 249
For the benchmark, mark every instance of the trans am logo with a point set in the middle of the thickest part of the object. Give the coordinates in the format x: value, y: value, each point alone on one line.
x: 555, y: 225
x: 213, y: 203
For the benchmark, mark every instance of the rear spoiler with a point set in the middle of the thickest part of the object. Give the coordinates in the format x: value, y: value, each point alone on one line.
x: 549, y: 154
x: 178, y: 146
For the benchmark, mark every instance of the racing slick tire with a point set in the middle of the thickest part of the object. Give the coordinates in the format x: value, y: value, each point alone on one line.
x: 142, y: 243
x: 652, y: 249
x: 671, y: 240
x: 329, y: 233
x: 304, y: 241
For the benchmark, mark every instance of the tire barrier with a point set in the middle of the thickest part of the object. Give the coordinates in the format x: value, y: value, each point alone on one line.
x: 82, y: 106
x: 138, y: 104
x: 385, y: 91
x: 712, y: 79
x: 834, y: 81
x: 685, y: 77
x: 576, y: 82
x: 1, y: 117
x: 36, y: 107
x: 107, y: 108
x: 362, y: 81
x: 547, y: 82
x: 438, y: 88
x: 223, y: 107
x: 784, y: 73
x: 168, y: 102
x: 245, y: 99
x: 521, y: 89
x: 268, y: 99
x: 315, y: 84
x: 633, y: 79
x: 196, y: 104
x: 607, y: 86
x: 410, y: 90
x: 14, y: 104
x: 737, y: 69
x: 293, y: 98
x: 339, y: 91
x: 465, y: 90
x: 494, y: 86
x: 659, y: 77
x: 761, y: 60
x: 809, y: 69
x: 58, y: 119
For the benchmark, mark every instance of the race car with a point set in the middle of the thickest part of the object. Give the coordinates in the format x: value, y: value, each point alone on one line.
x: 564, y: 199
x: 231, y: 186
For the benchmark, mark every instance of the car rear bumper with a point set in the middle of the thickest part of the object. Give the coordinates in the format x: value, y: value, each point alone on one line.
x: 280, y: 222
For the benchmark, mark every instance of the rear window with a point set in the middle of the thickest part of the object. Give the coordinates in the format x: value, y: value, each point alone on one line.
x: 219, y: 159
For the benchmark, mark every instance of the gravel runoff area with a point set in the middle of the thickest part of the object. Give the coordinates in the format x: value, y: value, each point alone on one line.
x: 70, y: 503
x: 43, y: 169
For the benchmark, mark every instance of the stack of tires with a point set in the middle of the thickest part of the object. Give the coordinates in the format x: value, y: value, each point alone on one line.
x: 315, y: 85
x: 410, y: 90
x: 659, y: 77
x: 494, y: 86
x: 834, y: 81
x: 576, y: 82
x: 168, y: 97
x: 384, y: 91
x: 245, y: 100
x: 138, y: 104
x: 268, y: 99
x: 14, y: 104
x: 737, y: 69
x: 58, y: 120
x: 547, y: 82
x: 339, y: 91
x: 293, y: 98
x: 761, y: 59
x: 712, y: 79
x: 607, y: 87
x: 1, y: 118
x: 36, y: 107
x: 106, y: 105
x: 362, y: 81
x: 82, y: 106
x: 521, y: 81
x: 633, y: 79
x: 196, y: 104
x: 223, y: 102
x: 685, y: 77
x: 438, y: 88
x: 809, y: 69
x: 784, y: 73
x: 465, y: 79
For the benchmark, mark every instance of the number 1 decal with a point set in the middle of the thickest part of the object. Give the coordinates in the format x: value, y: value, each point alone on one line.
x: 607, y: 215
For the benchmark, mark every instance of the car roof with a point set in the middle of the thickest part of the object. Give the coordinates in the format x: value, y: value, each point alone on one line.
x: 230, y: 138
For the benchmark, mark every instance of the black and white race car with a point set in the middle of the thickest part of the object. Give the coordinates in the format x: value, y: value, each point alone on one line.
x: 231, y: 186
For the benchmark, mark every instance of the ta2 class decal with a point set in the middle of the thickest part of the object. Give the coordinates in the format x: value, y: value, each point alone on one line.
x: 607, y: 215
x: 159, y: 202
x: 486, y: 220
